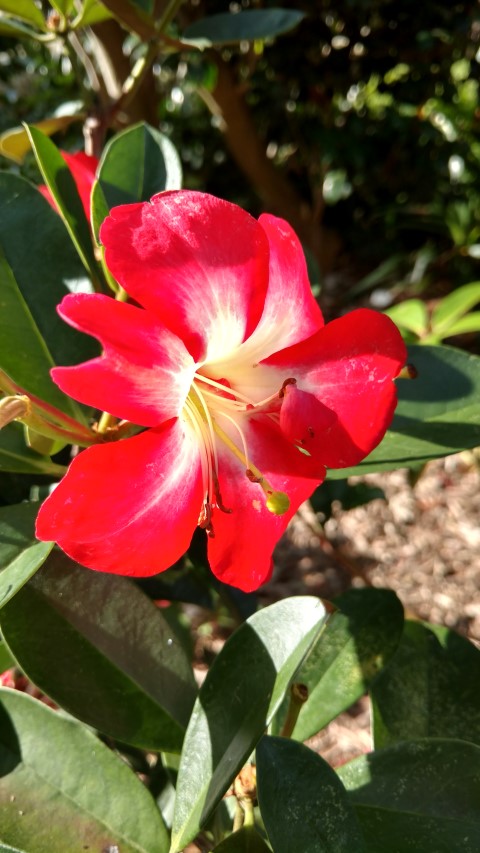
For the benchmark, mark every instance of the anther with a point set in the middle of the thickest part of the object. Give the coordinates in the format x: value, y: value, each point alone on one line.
x: 290, y: 381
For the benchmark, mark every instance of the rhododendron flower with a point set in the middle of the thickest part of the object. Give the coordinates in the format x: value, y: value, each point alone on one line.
x: 83, y: 168
x: 245, y: 394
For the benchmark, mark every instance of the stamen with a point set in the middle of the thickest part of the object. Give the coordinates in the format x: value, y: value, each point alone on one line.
x: 277, y: 502
x: 223, y: 388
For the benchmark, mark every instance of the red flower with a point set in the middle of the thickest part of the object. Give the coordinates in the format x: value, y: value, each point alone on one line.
x: 245, y: 394
x: 83, y: 168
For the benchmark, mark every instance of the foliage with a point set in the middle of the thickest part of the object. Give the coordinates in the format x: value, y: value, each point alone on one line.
x: 359, y: 122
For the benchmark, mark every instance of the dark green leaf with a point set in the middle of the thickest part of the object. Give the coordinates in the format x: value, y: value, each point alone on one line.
x: 357, y: 642
x: 38, y: 266
x: 430, y: 688
x: 59, y: 180
x: 135, y: 165
x: 62, y: 790
x: 102, y: 650
x: 6, y: 659
x: 303, y: 804
x: 21, y: 554
x: 246, y: 840
x: 418, y: 797
x: 437, y: 414
x: 17, y: 458
x: 253, y: 24
x: 237, y: 700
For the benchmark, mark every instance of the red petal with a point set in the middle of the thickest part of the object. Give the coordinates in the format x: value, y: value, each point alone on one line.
x: 129, y: 507
x: 83, y: 168
x: 199, y: 263
x: 240, y: 553
x: 290, y: 307
x: 145, y: 372
x: 303, y: 417
x: 349, y: 367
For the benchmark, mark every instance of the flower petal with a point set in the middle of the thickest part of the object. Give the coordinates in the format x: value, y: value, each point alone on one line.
x: 83, y: 168
x: 302, y: 416
x: 240, y: 553
x: 199, y: 263
x: 290, y: 313
x: 128, y: 507
x: 145, y: 372
x: 349, y: 367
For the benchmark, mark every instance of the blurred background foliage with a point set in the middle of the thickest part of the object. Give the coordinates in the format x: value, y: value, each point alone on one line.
x: 360, y: 126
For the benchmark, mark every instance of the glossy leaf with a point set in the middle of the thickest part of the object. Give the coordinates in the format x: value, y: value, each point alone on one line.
x: 21, y: 554
x: 62, y: 789
x: 430, y: 688
x: 33, y: 338
x: 59, y: 180
x: 238, y: 698
x: 136, y: 164
x: 15, y: 143
x: 245, y: 840
x: 26, y: 10
x: 417, y: 796
x: 437, y: 413
x: 17, y: 458
x: 102, y: 650
x: 357, y: 642
x: 249, y: 25
x: 303, y: 804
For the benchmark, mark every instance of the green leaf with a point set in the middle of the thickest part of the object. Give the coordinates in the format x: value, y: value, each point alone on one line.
x: 21, y: 554
x: 33, y: 338
x: 62, y: 789
x: 102, y: 650
x: 245, y: 840
x: 303, y: 804
x: 238, y: 698
x: 136, y: 164
x: 251, y: 25
x: 17, y: 458
x: 465, y: 325
x: 418, y: 796
x: 411, y: 314
x: 437, y: 413
x: 15, y: 143
x: 454, y: 306
x: 357, y: 642
x: 59, y: 180
x: 10, y: 27
x: 430, y: 688
x: 26, y: 10
x: 92, y: 12
x: 6, y: 660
